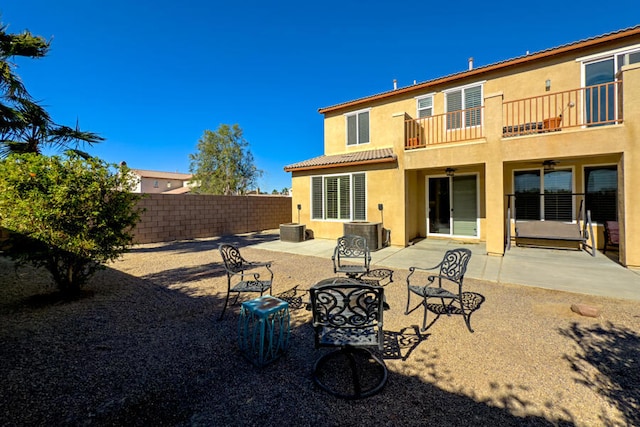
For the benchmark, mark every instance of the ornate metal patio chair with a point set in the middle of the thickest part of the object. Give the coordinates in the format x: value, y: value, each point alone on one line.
x: 239, y: 279
x: 351, y: 256
x: 348, y: 314
x: 451, y: 273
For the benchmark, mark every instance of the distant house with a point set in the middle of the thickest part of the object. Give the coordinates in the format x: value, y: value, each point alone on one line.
x: 161, y: 182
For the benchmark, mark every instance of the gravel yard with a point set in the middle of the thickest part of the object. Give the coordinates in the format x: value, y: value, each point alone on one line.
x: 143, y: 347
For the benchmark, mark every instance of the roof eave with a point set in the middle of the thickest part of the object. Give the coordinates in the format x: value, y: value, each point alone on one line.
x: 337, y: 165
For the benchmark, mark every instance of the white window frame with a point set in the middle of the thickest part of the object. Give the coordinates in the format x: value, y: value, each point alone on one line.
x: 418, y: 109
x: 605, y: 56
x: 357, y: 116
x: 463, y: 118
x: 615, y: 53
x: 323, y: 199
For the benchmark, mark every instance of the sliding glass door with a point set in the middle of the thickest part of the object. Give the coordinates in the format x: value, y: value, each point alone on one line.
x: 453, y: 206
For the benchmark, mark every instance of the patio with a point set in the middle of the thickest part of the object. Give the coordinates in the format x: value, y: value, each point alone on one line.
x: 144, y: 348
x: 563, y: 270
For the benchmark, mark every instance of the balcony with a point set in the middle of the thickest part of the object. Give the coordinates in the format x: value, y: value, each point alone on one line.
x: 462, y: 125
x: 583, y: 107
x: 590, y: 106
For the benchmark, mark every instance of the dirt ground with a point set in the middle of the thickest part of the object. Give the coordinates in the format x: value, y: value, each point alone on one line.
x: 143, y: 346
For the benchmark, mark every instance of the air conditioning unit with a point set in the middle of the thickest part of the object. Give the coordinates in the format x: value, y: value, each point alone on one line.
x: 372, y: 231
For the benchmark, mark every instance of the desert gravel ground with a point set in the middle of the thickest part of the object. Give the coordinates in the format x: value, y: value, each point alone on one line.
x: 143, y: 347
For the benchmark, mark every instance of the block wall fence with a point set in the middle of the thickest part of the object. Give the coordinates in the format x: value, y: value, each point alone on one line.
x: 187, y: 216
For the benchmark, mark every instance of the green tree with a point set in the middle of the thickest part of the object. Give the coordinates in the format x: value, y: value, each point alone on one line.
x: 25, y: 126
x: 68, y: 214
x: 223, y: 163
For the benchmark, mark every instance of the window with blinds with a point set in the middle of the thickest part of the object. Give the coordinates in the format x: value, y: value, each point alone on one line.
x: 317, y: 211
x: 357, y: 128
x: 463, y: 107
x: 454, y: 108
x: 544, y: 195
x: 425, y: 106
x: 359, y: 197
x: 339, y: 197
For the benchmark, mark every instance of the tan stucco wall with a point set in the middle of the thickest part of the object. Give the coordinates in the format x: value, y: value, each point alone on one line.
x: 383, y: 186
x: 630, y: 212
x: 492, y: 157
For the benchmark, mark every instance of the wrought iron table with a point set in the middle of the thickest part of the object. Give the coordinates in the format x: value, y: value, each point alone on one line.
x: 263, y: 329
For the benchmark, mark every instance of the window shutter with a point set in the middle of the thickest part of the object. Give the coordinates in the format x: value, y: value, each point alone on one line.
x: 359, y: 197
x: 316, y: 197
x: 352, y: 130
x: 363, y: 127
x: 473, y: 99
x: 345, y: 195
x: 454, y: 103
x: 331, y: 201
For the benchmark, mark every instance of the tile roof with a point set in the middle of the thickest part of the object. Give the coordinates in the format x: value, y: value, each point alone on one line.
x: 383, y: 155
x: 588, y: 42
x: 163, y: 175
x: 178, y: 190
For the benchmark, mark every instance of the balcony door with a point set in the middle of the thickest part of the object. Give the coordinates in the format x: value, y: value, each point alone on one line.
x: 600, y: 99
x: 453, y: 206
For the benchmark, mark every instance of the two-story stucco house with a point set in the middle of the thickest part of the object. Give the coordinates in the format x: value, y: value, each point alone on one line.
x: 549, y: 137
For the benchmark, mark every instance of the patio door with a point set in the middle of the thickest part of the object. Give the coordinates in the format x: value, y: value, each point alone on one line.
x: 600, y: 99
x: 453, y: 206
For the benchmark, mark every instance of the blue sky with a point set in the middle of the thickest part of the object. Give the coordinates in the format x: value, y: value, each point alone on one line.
x: 151, y: 76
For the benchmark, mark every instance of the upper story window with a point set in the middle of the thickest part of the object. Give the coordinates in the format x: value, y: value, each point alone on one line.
x: 425, y: 106
x: 155, y: 184
x: 357, y: 127
x: 603, y: 67
x: 599, y: 74
x: 628, y: 57
x: 463, y: 107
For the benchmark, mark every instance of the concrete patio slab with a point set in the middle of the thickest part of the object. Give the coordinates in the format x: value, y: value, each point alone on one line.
x: 564, y: 270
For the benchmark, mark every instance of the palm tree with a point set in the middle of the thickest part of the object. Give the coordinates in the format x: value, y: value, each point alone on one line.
x: 25, y: 126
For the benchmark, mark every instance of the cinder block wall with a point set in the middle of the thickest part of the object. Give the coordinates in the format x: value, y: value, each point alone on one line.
x: 187, y: 216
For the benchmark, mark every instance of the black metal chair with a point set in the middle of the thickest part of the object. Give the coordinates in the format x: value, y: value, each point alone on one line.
x: 243, y: 281
x: 452, y: 269
x: 351, y: 256
x: 348, y: 314
x: 377, y: 276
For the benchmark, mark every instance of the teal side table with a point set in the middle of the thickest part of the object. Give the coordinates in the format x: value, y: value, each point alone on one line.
x: 263, y: 329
